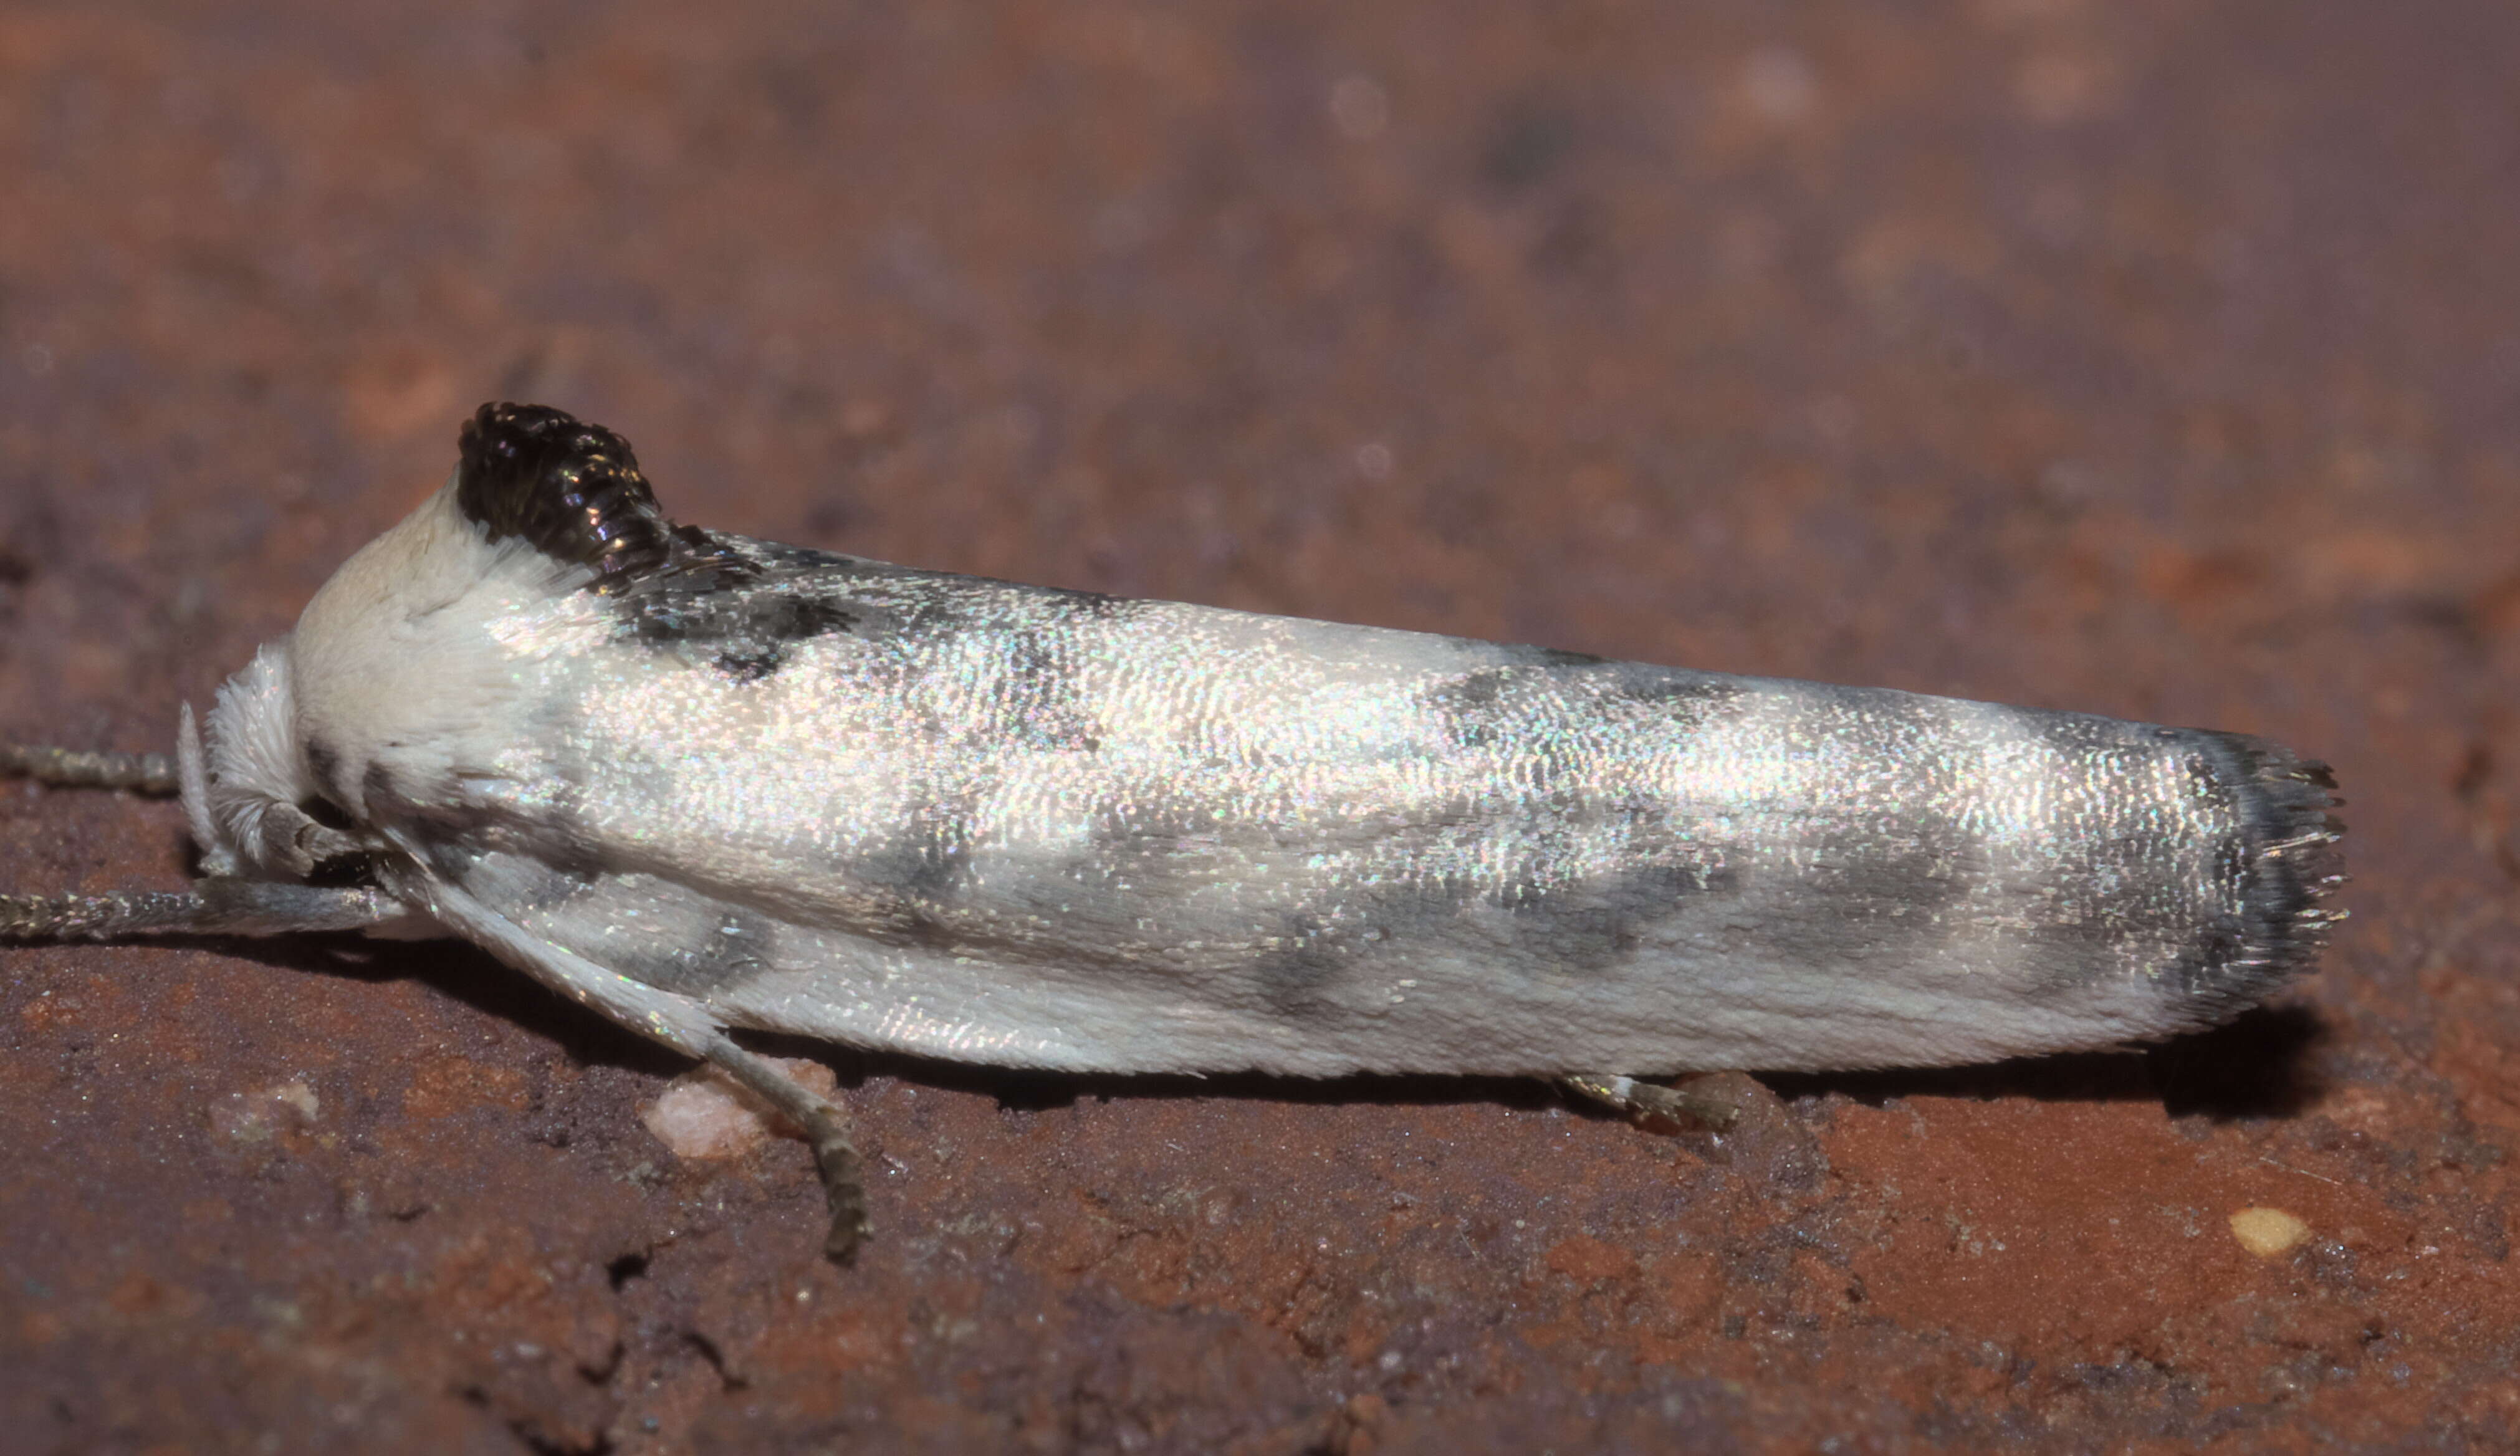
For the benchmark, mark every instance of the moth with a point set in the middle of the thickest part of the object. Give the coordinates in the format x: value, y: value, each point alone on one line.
x: 706, y: 784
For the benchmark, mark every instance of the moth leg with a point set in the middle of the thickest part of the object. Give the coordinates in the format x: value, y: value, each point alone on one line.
x: 677, y: 1022
x: 78, y: 768
x: 214, y: 906
x: 835, y: 1155
x: 1687, y: 1105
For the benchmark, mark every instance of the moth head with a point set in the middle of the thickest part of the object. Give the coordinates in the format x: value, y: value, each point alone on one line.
x: 392, y: 675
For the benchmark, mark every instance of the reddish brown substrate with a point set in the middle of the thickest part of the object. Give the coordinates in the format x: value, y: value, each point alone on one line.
x: 2145, y: 358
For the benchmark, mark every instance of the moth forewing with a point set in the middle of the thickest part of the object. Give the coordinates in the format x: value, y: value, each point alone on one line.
x: 703, y: 783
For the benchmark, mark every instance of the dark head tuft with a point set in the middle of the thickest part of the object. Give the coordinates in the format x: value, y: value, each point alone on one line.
x: 569, y: 490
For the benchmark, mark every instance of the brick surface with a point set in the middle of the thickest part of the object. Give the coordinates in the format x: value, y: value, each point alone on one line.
x: 2146, y: 358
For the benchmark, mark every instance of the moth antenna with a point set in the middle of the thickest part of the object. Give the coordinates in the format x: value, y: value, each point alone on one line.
x: 81, y: 768
x: 209, y: 907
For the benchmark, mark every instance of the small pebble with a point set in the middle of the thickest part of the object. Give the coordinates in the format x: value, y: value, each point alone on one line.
x: 2269, y: 1233
x: 704, y: 1113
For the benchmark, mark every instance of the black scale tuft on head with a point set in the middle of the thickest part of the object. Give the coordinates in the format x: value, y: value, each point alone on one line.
x: 573, y: 492
x: 570, y: 489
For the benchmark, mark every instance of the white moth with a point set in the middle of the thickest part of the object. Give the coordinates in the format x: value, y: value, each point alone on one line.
x: 703, y: 783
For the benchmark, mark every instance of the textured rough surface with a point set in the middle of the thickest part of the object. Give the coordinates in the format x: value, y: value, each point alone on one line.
x: 2151, y: 360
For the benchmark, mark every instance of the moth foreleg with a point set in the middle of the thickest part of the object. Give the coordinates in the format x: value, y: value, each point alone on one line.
x: 79, y: 768
x: 215, y: 906
x: 679, y: 1022
x: 1688, y: 1106
x: 835, y: 1155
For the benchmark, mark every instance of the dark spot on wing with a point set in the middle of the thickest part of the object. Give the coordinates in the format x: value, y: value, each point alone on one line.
x: 449, y: 859
x: 927, y: 862
x: 776, y: 559
x: 1091, y: 604
x: 751, y: 666
x: 740, y: 605
x: 794, y: 618
x: 1304, y: 961
x: 1901, y: 867
x: 1844, y: 885
x: 1036, y: 701
x: 1537, y: 688
x: 1638, y: 682
x: 1157, y: 850
x: 758, y: 629
x: 746, y: 599
x: 652, y: 930
x: 509, y: 882
x: 555, y: 886
x: 1593, y: 922
x: 1473, y: 710
x: 569, y: 490
x: 691, y: 949
x: 921, y: 877
x: 1551, y: 924
x: 1551, y: 657
x: 459, y: 842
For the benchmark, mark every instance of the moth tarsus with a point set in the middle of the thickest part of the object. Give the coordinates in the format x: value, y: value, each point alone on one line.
x: 827, y: 1132
x: 706, y: 784
x: 1681, y: 1106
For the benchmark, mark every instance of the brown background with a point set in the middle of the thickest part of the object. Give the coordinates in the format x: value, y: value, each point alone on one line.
x: 2157, y: 359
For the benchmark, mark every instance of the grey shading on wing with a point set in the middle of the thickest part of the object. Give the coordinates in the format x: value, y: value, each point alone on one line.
x: 998, y: 823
